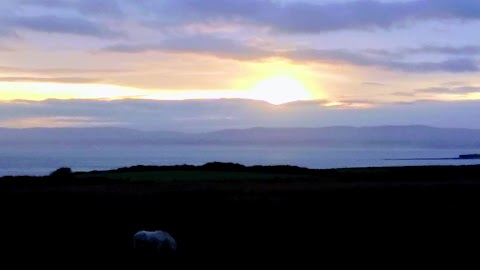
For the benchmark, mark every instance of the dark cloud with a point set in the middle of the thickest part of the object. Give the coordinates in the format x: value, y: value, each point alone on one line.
x: 97, y: 18
x: 5, y: 48
x: 307, y: 103
x: 310, y: 17
x: 444, y: 50
x: 288, y: 17
x: 361, y: 59
x: 373, y: 84
x: 144, y: 114
x: 204, y: 115
x: 58, y: 70
x: 450, y: 65
x: 232, y: 49
x: 357, y: 101
x: 221, y: 47
x: 77, y: 80
x: 86, y: 7
x: 337, y: 56
x: 63, y: 25
x: 403, y: 94
x: 454, y: 83
x: 382, y: 53
x: 173, y: 12
x: 57, y: 121
x: 5, y: 32
x: 446, y: 90
x: 459, y: 90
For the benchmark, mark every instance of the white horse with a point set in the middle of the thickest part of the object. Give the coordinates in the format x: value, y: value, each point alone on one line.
x: 154, y: 241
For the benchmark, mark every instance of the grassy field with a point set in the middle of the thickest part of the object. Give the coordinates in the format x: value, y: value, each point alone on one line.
x: 185, y: 176
x: 226, y: 216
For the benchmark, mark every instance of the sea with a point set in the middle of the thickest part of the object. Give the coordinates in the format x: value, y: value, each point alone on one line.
x: 42, y: 160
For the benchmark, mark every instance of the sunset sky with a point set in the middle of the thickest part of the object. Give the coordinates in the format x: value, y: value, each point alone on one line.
x: 279, y: 63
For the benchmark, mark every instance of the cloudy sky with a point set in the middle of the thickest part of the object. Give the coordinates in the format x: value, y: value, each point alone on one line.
x: 202, y: 65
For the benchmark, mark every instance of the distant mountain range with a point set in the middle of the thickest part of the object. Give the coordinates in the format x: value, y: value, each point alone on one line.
x: 378, y: 136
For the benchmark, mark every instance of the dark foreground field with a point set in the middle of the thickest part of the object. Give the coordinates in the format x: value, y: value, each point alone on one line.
x: 252, y: 217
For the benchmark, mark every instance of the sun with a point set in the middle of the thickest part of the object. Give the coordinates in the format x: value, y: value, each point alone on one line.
x: 280, y: 90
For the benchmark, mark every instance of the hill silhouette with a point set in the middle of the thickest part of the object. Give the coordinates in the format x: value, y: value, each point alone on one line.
x: 379, y: 136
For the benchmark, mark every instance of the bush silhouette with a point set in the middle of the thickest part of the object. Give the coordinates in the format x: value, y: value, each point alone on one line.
x: 62, y: 173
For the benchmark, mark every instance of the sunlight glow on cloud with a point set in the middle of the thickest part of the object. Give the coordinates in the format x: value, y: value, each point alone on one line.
x: 42, y: 91
x: 275, y: 81
x: 273, y: 90
x: 279, y: 90
x: 56, y: 122
x: 474, y: 96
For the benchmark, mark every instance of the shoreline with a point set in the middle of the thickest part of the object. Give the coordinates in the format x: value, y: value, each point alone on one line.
x: 256, y: 167
x: 460, y: 157
x: 413, y: 159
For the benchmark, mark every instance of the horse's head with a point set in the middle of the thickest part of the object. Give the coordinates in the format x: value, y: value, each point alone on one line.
x: 171, y: 242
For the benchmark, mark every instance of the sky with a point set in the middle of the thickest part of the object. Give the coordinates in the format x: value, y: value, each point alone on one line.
x: 198, y: 65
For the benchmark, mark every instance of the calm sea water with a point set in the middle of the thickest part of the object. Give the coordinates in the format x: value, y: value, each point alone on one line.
x: 43, y: 160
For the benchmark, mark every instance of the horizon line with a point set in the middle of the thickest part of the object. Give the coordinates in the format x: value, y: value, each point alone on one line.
x: 239, y: 129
